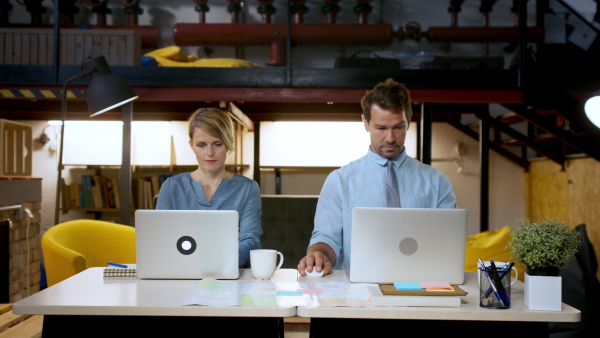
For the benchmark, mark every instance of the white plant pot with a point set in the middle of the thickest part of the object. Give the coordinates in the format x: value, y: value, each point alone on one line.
x: 543, y: 293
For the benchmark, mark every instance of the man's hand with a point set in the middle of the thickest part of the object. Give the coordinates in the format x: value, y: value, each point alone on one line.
x: 320, y: 256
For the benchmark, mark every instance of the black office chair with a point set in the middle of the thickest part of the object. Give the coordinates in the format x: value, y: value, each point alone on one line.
x: 581, y: 290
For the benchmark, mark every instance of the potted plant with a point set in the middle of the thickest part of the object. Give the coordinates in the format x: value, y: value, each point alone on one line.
x: 544, y: 248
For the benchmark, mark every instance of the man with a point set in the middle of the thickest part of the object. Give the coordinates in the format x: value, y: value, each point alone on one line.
x: 362, y: 183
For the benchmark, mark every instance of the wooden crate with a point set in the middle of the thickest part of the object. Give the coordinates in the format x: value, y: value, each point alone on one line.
x: 12, y: 325
x: 16, y: 149
x: 35, y: 46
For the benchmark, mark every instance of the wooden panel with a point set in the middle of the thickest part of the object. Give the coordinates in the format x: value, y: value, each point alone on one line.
x: 571, y: 195
x: 548, y: 192
x: 121, y: 47
x: 16, y: 149
x: 288, y: 222
x: 584, y: 194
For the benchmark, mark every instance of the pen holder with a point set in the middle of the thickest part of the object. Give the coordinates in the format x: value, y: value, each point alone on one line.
x: 494, y: 289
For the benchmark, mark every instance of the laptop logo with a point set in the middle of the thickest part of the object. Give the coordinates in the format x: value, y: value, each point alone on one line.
x: 186, y: 245
x: 408, y: 246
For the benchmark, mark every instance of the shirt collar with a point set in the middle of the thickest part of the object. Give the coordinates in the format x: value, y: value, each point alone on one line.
x: 382, y: 160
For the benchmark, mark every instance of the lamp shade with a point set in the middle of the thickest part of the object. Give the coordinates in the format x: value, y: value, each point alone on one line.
x: 592, y: 110
x: 107, y: 91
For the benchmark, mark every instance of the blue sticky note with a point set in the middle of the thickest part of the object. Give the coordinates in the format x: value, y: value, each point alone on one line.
x: 288, y: 293
x: 403, y: 286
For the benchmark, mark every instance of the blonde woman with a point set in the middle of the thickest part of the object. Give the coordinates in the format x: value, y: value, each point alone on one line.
x: 211, y: 187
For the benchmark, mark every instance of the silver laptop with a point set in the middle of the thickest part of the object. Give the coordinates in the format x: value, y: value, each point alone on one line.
x: 187, y: 244
x: 408, y: 245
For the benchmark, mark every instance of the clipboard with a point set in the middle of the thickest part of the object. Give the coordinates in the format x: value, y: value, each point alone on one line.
x: 389, y: 289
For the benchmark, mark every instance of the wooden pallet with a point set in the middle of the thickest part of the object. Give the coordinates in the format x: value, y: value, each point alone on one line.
x: 12, y: 325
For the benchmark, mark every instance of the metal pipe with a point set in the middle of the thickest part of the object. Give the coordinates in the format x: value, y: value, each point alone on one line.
x: 192, y: 34
x: 481, y: 34
x: 10, y: 207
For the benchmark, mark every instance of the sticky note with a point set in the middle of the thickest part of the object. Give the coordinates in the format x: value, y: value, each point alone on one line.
x: 403, y: 286
x: 288, y: 293
x: 436, y: 285
x: 311, y: 291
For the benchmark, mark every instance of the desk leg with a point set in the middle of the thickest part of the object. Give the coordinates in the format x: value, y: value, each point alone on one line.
x: 350, y: 327
x: 150, y: 326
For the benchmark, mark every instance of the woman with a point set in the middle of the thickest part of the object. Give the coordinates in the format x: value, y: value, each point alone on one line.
x: 211, y: 187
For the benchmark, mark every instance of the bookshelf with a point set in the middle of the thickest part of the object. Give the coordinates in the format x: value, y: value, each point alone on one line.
x: 95, y: 189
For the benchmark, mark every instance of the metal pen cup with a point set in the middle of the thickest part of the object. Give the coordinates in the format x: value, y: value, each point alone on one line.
x: 494, y: 289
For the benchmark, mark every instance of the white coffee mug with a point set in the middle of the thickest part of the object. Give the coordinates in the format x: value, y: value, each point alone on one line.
x: 499, y: 266
x: 263, y: 263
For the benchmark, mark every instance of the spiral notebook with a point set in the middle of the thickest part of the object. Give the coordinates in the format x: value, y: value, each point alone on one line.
x: 119, y: 272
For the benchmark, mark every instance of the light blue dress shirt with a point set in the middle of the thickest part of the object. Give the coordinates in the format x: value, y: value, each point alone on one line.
x: 239, y: 193
x: 361, y: 183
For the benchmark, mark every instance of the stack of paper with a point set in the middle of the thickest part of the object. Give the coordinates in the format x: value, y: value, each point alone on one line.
x: 415, y: 295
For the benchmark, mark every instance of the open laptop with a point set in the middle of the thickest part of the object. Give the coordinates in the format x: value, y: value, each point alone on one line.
x: 187, y: 244
x: 408, y: 245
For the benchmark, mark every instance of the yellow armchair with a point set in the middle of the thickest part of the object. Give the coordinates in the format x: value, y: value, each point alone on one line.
x: 490, y: 245
x: 74, y: 246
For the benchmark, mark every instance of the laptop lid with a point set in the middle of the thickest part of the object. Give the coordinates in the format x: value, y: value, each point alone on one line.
x: 187, y: 244
x: 408, y: 245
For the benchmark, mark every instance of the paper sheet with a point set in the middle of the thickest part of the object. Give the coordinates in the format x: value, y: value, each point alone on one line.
x: 211, y: 292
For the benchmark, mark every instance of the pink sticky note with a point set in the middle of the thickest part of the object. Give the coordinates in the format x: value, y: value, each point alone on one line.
x: 311, y: 291
x: 436, y: 285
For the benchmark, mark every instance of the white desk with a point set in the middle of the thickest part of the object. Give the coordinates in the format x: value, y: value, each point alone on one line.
x: 114, y: 302
x: 469, y: 316
x: 141, y: 303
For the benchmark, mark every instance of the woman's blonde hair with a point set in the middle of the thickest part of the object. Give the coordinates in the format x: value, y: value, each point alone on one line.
x: 215, y: 122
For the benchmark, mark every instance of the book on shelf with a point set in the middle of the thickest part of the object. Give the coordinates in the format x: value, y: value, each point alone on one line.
x: 66, y: 195
x: 86, y: 194
x: 155, y: 185
x: 116, y: 189
x: 145, y: 188
x: 97, y: 192
x: 74, y: 198
x: 109, y: 194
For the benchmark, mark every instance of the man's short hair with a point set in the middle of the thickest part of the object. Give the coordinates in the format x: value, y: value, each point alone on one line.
x: 389, y: 95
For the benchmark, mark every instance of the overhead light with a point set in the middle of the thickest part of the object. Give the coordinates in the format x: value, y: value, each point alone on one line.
x: 592, y: 110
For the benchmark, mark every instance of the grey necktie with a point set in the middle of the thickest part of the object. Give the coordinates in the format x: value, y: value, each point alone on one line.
x: 391, y: 187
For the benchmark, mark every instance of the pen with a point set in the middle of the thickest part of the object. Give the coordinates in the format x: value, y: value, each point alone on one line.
x: 484, y: 269
x: 499, y: 286
x: 117, y: 264
x: 507, y: 267
x: 496, y: 279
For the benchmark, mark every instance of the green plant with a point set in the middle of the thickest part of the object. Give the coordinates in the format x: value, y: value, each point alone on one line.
x: 545, y: 244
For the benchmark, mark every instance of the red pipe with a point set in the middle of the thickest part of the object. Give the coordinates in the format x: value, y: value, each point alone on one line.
x: 237, y: 34
x: 148, y: 34
x: 481, y: 34
x: 189, y: 34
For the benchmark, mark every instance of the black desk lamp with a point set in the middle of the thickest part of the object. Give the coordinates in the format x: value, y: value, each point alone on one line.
x: 106, y: 91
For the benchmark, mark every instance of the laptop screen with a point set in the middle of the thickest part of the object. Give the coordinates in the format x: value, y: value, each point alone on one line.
x: 187, y: 244
x: 408, y: 245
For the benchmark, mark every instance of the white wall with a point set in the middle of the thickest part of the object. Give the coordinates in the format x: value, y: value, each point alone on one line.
x: 507, y: 201
x: 507, y: 182
x: 507, y: 187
